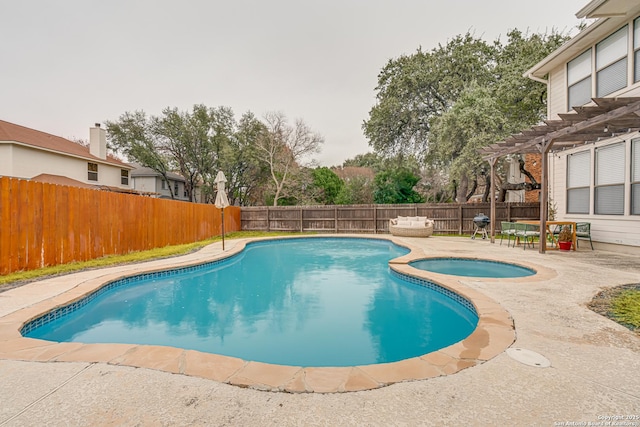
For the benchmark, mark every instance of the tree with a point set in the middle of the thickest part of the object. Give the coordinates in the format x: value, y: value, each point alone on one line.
x: 328, y: 184
x: 473, y: 122
x: 246, y: 174
x: 184, y: 137
x: 414, y: 89
x: 283, y: 147
x: 133, y: 136
x: 396, y: 186
x: 521, y: 100
x: 367, y: 160
x: 416, y: 111
x: 358, y: 184
x: 357, y: 191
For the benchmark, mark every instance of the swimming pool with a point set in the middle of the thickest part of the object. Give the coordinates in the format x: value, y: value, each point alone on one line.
x: 471, y: 267
x: 303, y: 302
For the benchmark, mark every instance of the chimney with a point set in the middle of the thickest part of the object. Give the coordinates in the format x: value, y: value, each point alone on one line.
x: 98, y: 142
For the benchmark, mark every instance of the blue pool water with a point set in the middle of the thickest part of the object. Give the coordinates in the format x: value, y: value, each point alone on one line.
x: 303, y: 302
x: 472, y: 267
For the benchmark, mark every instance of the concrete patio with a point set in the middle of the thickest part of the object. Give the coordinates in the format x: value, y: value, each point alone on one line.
x: 593, y: 377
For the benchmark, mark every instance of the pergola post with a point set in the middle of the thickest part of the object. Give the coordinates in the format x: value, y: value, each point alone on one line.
x: 492, y: 195
x: 544, y: 147
x: 607, y: 117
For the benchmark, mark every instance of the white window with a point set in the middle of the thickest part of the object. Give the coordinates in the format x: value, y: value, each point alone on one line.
x: 635, y: 177
x: 578, y: 182
x: 124, y: 177
x: 579, y: 80
x: 636, y: 49
x: 610, y: 171
x: 92, y: 169
x: 611, y: 63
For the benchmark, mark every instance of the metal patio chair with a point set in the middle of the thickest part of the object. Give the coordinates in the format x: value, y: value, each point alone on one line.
x: 507, y: 229
x: 583, y: 231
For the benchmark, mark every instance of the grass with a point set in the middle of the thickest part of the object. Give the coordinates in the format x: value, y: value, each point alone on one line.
x: 625, y: 307
x: 133, y: 257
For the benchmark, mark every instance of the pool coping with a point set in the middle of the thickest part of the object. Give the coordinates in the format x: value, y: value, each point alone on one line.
x: 494, y: 333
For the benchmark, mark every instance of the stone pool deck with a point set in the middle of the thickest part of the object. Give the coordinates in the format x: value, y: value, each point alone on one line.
x: 594, y: 372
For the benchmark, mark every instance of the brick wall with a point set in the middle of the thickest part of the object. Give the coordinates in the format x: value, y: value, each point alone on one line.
x: 533, y: 163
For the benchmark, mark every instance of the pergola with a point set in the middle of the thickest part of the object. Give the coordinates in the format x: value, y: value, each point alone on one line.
x: 588, y: 124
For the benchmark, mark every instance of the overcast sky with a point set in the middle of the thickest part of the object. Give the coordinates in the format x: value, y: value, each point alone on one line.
x: 65, y: 65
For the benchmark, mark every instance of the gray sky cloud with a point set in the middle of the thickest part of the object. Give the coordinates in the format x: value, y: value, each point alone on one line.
x: 68, y: 64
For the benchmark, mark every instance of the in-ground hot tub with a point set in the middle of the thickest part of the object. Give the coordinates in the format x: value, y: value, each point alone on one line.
x: 472, y: 267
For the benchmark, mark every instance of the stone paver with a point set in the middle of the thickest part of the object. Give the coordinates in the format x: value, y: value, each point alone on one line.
x: 595, y: 363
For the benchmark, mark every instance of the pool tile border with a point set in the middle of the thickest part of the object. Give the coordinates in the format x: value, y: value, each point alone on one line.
x: 494, y: 333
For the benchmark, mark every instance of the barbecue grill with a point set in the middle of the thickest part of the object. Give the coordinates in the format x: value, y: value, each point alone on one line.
x: 481, y: 221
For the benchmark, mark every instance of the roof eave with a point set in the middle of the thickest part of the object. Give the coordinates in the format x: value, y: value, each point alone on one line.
x: 94, y: 159
x: 571, y: 48
x: 588, y: 9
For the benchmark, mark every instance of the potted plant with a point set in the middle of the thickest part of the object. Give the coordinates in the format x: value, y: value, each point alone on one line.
x: 565, y: 238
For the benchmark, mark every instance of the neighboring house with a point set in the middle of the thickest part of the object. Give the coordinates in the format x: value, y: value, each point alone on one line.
x: 597, y: 180
x: 147, y: 180
x: 515, y: 176
x: 28, y: 153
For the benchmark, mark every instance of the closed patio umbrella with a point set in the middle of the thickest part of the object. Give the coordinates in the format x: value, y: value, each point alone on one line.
x: 221, y: 198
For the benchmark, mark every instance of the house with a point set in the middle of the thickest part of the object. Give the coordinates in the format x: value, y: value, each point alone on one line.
x: 515, y: 176
x: 598, y: 182
x: 32, y: 154
x: 149, y: 181
x: 590, y: 142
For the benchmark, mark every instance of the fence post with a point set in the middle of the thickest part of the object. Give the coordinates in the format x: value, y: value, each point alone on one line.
x: 375, y: 219
x: 508, y: 212
x: 335, y: 219
x: 301, y: 221
x: 460, y: 219
x: 268, y: 220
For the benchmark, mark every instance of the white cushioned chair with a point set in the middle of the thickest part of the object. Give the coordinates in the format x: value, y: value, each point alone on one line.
x: 411, y: 226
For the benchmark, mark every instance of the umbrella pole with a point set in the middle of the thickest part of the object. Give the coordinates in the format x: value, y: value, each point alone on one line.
x: 222, y: 213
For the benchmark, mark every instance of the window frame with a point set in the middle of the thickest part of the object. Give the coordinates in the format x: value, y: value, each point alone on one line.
x: 581, y: 79
x: 599, y: 187
x: 601, y: 69
x: 582, y: 186
x: 636, y: 49
x: 124, y: 177
x: 634, y: 205
x: 92, y: 171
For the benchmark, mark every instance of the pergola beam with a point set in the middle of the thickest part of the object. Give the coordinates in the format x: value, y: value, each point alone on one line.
x: 591, y: 123
x: 608, y: 118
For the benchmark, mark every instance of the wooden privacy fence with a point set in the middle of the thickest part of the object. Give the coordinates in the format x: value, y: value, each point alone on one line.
x: 45, y: 224
x: 450, y: 218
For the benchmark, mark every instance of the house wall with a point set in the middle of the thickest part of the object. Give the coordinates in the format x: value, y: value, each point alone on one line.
x: 6, y: 160
x: 557, y: 78
x: 515, y: 177
x: 533, y: 164
x: 166, y: 194
x: 557, y: 92
x: 606, y: 229
x: 613, y: 229
x: 154, y: 184
x: 27, y: 163
x: 145, y: 183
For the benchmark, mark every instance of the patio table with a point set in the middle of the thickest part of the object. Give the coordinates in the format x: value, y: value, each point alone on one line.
x: 553, y: 237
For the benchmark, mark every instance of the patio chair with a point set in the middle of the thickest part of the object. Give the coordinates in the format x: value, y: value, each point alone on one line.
x: 527, y: 232
x: 507, y: 229
x: 583, y: 231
